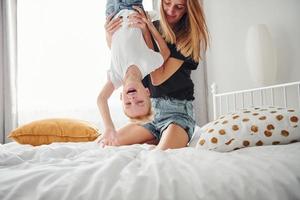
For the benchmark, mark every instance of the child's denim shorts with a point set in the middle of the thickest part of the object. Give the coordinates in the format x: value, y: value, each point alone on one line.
x: 171, y: 111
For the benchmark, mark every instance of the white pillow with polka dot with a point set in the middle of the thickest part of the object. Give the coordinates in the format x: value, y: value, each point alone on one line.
x: 255, y: 126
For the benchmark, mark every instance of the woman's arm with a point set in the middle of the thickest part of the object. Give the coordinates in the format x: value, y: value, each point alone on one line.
x: 164, y: 72
x: 142, y: 20
x: 171, y: 65
x: 163, y: 47
x: 139, y: 23
x: 111, y: 26
x: 148, y: 38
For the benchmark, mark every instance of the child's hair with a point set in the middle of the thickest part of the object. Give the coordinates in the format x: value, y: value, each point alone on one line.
x: 142, y: 119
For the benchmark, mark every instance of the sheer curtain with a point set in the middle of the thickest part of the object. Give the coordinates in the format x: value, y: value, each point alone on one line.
x: 1, y: 75
x: 63, y: 59
x: 201, y: 94
x: 8, y: 67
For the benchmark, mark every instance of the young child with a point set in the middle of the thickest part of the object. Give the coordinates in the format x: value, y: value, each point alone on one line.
x: 131, y: 61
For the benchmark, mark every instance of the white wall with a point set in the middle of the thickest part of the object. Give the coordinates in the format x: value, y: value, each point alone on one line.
x: 228, y: 22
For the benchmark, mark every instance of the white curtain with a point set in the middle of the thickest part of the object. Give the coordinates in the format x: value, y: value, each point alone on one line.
x: 8, y: 65
x: 199, y: 78
x: 62, y: 61
x: 201, y: 94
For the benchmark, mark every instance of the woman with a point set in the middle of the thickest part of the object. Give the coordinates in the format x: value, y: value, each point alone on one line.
x: 183, y: 26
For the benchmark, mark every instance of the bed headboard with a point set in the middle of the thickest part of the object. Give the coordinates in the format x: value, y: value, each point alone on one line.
x: 283, y: 95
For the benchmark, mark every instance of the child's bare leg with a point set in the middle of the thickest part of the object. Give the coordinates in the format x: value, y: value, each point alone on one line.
x: 134, y: 134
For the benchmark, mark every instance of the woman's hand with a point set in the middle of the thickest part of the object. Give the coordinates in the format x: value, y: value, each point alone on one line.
x: 111, y: 26
x: 109, y: 138
x: 139, y: 19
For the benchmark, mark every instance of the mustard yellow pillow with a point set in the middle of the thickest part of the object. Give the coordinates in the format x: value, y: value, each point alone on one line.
x: 54, y: 130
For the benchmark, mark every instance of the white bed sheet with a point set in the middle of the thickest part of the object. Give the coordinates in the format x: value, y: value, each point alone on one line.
x: 85, y: 171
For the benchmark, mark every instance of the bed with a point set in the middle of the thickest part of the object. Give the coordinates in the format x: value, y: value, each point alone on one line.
x: 83, y: 170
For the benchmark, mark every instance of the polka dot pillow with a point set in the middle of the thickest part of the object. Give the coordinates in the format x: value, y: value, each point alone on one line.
x: 255, y: 126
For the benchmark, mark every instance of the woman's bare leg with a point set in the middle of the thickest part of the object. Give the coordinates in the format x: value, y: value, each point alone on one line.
x: 134, y: 134
x: 173, y: 137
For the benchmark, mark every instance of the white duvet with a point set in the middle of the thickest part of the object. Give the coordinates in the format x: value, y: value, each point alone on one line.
x: 85, y: 171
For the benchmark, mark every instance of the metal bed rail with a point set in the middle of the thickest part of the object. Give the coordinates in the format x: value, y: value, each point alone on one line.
x: 261, y: 93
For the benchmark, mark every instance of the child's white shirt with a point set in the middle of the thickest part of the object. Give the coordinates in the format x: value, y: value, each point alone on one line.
x: 128, y: 48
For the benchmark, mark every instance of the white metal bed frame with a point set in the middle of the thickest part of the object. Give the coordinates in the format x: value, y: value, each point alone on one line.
x: 217, y: 98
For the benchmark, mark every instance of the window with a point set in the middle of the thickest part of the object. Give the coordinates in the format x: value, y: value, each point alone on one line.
x: 63, y: 59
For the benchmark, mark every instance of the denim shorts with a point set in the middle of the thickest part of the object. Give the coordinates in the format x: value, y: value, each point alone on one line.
x: 115, y: 6
x: 171, y: 111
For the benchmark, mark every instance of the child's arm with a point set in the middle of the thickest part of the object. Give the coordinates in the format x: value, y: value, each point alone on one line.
x: 102, y: 101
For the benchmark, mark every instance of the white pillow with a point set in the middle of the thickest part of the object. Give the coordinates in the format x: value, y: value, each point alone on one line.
x: 196, y: 136
x: 255, y: 126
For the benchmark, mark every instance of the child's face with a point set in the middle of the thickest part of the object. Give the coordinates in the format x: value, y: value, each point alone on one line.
x: 136, y: 100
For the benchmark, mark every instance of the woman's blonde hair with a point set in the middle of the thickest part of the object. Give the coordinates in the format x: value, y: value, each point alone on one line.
x: 190, y: 33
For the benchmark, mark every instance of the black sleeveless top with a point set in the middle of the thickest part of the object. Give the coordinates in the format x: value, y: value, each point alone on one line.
x: 180, y: 85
